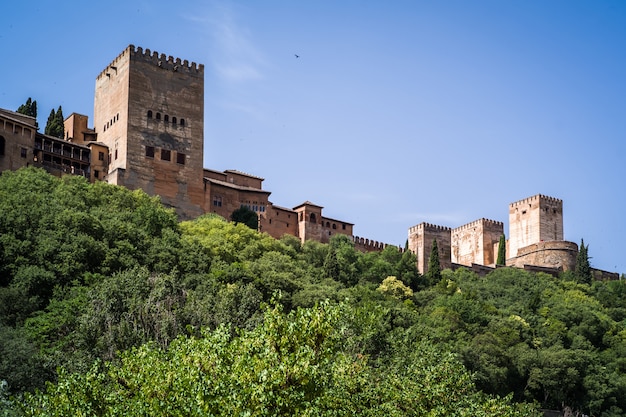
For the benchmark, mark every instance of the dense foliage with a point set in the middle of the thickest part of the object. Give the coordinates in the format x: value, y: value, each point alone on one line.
x: 110, y: 306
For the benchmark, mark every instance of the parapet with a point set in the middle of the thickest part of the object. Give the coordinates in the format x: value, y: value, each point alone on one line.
x: 428, y: 227
x: 161, y: 60
x: 368, y: 245
x: 536, y: 198
x: 485, y: 223
x: 174, y: 64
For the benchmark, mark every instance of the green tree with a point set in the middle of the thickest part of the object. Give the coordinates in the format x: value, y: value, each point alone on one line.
x: 290, y: 365
x: 501, y: 251
x: 434, y: 268
x: 246, y: 216
x: 393, y: 287
x: 29, y: 108
x: 583, y: 268
x: 54, y: 125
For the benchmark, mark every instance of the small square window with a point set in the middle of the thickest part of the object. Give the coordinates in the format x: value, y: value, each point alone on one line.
x: 150, y: 151
x: 96, y: 173
x: 180, y: 158
x: 23, y: 152
x: 101, y: 156
x: 166, y: 155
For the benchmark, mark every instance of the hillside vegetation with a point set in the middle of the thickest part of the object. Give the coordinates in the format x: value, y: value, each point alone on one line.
x: 110, y: 306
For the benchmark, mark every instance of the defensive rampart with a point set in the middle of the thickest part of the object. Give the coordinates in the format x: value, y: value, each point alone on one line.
x: 553, y: 254
x: 367, y: 245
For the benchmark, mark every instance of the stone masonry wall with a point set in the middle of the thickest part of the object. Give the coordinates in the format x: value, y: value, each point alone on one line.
x: 474, y: 242
x: 552, y: 254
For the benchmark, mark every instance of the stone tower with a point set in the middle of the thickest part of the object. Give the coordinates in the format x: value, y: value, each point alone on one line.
x: 149, y: 111
x: 533, y: 220
x: 476, y: 242
x: 421, y: 239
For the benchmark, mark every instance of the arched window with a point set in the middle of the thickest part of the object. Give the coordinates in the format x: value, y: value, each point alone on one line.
x: 166, y: 118
x: 149, y: 114
x: 312, y: 218
x: 2, y: 142
x: 173, y: 120
x: 334, y: 226
x: 182, y: 122
x: 158, y: 116
x: 327, y: 224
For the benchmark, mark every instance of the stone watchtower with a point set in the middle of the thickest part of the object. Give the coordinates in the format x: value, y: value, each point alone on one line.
x: 421, y: 239
x: 533, y: 220
x: 149, y: 111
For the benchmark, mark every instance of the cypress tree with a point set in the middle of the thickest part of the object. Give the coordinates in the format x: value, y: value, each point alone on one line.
x: 54, y: 126
x: 583, y: 267
x: 29, y: 108
x: 501, y: 251
x: 49, y: 123
x: 331, y: 264
x: 434, y: 268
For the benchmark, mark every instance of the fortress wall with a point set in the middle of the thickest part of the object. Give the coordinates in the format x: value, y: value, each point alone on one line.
x: 552, y: 254
x: 278, y: 221
x: 368, y: 245
x: 17, y: 133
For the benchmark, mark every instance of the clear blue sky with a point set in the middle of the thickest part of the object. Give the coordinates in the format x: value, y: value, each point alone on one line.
x: 395, y: 112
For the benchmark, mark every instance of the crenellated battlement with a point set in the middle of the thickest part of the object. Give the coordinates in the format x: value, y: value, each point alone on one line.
x: 535, y: 199
x: 368, y: 245
x: 116, y: 61
x: 486, y: 223
x: 161, y: 60
x: 166, y: 62
x: 428, y: 226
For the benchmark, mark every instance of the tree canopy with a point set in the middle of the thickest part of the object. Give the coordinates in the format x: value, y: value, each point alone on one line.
x: 29, y: 108
x: 111, y: 306
x: 246, y: 216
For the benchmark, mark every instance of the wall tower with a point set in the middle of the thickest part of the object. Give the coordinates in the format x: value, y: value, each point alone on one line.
x: 533, y: 220
x: 421, y: 239
x: 476, y: 242
x: 149, y: 111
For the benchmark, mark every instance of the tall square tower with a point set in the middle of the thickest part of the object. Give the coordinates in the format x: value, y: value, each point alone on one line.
x: 533, y: 220
x: 421, y: 239
x: 149, y: 111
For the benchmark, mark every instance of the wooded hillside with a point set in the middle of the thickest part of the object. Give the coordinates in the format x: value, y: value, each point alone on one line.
x: 126, y: 311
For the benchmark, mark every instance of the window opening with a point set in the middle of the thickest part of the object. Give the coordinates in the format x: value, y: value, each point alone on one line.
x: 150, y: 151
x: 166, y: 155
x: 180, y: 158
x: 149, y: 114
